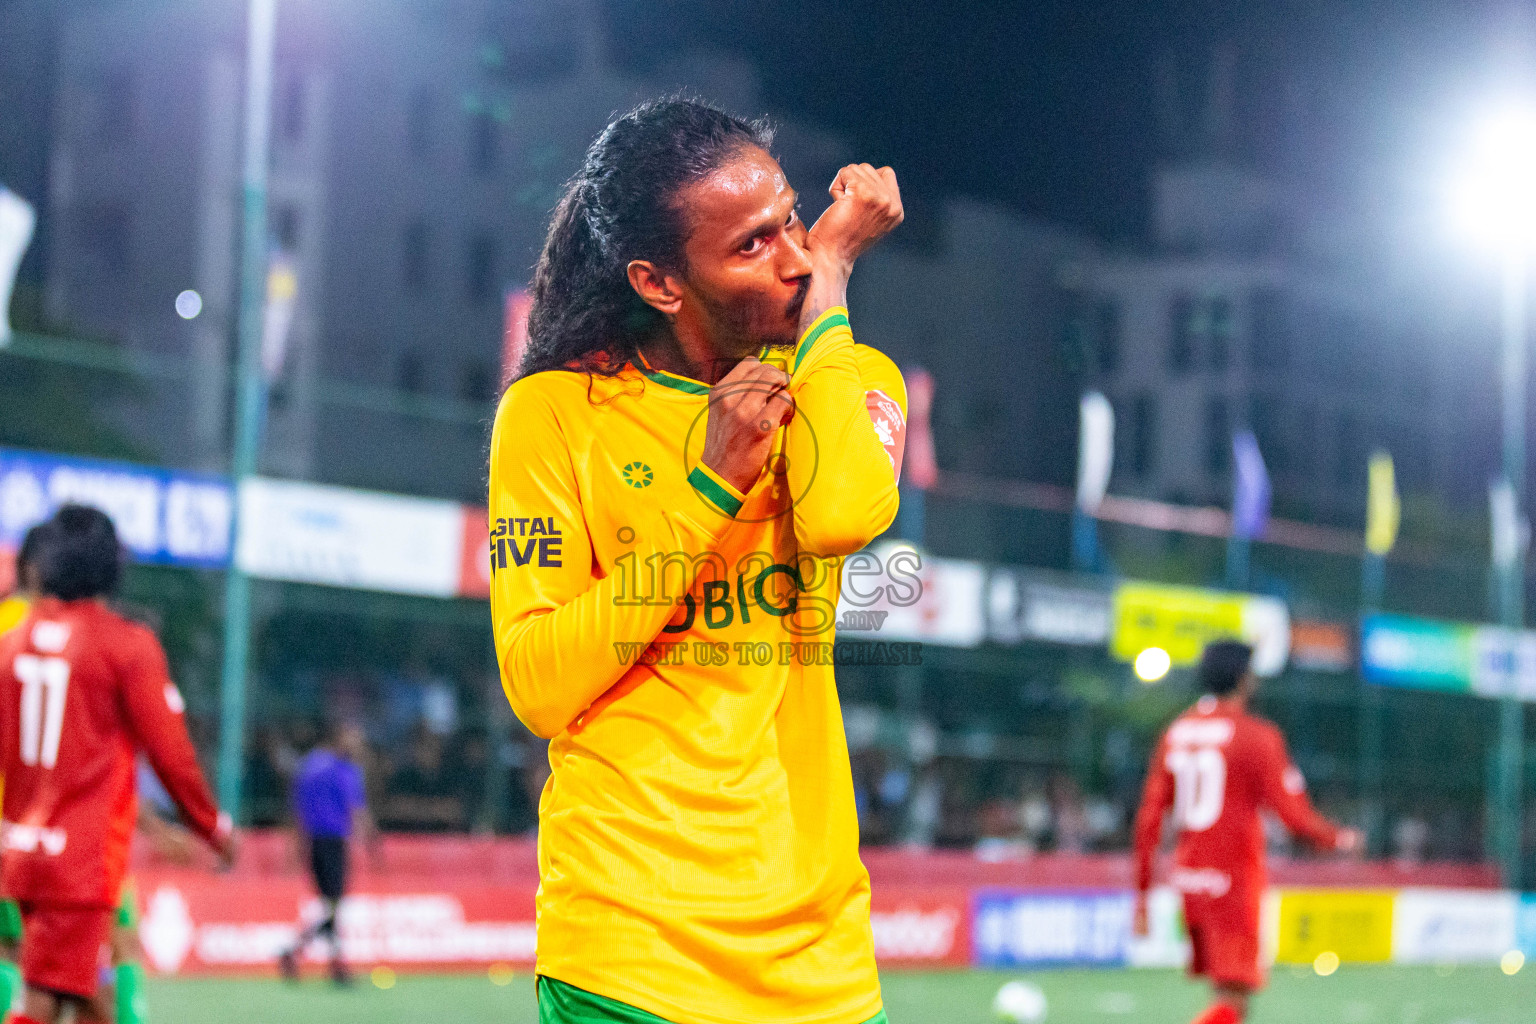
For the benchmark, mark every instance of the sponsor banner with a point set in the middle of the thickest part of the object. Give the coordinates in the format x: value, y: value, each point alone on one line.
x: 1426, y: 654
x: 307, y: 533
x: 1399, y: 650
x: 475, y: 555
x: 196, y: 923
x: 1450, y: 926
x: 1322, y: 646
x: 921, y: 927
x: 894, y: 592
x: 162, y: 517
x: 1040, y: 928
x: 1354, y: 924
x: 1525, y: 925
x: 1182, y: 620
x: 1166, y: 943
x: 1021, y: 608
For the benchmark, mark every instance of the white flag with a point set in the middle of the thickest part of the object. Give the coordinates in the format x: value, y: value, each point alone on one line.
x: 17, y: 221
x: 1511, y: 531
x: 1095, y: 450
x: 277, y: 320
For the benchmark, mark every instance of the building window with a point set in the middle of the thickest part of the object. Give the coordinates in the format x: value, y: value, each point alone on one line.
x: 1219, y: 331
x: 1143, y: 435
x: 480, y: 269
x: 106, y: 239
x: 1269, y: 431
x: 1268, y: 337
x: 1181, y: 334
x: 1352, y: 452
x: 418, y: 123
x: 415, y: 253
x: 1106, y: 336
x: 290, y: 118
x: 285, y: 228
x: 477, y: 381
x: 410, y: 373
x: 107, y: 106
x: 484, y: 143
x: 1218, y: 437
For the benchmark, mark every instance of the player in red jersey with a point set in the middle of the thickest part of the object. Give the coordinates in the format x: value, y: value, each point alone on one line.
x: 81, y: 690
x: 1218, y: 768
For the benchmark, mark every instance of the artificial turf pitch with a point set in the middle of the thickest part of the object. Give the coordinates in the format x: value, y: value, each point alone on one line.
x: 1354, y: 995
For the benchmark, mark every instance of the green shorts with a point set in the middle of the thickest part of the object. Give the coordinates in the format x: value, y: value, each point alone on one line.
x: 560, y: 1003
x: 127, y: 906
x: 127, y: 915
x: 10, y: 921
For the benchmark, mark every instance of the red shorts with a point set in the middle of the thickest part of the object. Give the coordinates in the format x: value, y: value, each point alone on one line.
x: 1224, y: 940
x: 63, y: 947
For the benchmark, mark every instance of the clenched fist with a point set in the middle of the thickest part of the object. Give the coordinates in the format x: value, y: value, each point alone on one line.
x: 866, y: 206
x: 746, y: 408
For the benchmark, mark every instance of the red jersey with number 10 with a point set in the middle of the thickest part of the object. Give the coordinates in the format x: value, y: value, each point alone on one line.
x: 81, y: 690
x: 1217, y: 768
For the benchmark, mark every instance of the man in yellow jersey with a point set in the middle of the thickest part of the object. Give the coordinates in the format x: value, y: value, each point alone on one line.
x: 669, y: 513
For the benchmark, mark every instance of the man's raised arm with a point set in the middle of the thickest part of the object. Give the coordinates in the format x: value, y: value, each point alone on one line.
x: 840, y: 475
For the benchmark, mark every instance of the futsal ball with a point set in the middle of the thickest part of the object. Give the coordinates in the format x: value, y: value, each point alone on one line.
x: 1019, y: 1002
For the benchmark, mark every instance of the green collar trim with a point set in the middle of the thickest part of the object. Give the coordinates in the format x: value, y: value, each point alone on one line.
x: 825, y: 325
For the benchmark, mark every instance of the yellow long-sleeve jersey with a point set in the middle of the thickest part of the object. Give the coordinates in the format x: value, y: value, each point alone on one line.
x: 698, y: 842
x: 12, y: 610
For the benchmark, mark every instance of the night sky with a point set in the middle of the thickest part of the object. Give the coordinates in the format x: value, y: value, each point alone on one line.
x: 1050, y: 108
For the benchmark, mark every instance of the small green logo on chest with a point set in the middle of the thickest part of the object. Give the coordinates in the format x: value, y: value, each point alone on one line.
x: 637, y: 474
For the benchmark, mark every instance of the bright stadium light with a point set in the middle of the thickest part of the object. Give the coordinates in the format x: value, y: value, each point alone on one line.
x: 189, y: 304
x: 1152, y: 664
x: 1495, y: 199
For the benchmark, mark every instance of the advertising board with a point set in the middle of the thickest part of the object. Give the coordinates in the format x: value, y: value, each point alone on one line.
x: 335, y: 536
x: 1182, y: 620
x: 162, y: 517
x: 1045, y: 928
x: 1450, y: 926
x: 1355, y: 924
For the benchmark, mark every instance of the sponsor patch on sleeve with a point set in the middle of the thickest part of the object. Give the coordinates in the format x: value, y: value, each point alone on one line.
x: 890, y: 425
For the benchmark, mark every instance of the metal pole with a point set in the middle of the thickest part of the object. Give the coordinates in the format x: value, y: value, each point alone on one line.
x: 1369, y: 732
x: 1512, y: 575
x: 262, y: 16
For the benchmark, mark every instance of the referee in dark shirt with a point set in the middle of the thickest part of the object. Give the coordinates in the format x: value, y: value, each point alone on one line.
x: 330, y: 808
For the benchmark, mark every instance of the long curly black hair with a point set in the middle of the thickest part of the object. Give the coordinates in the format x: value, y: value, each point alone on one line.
x: 621, y: 206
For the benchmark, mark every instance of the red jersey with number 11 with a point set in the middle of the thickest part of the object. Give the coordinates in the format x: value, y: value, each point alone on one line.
x: 81, y: 690
x: 1217, y: 768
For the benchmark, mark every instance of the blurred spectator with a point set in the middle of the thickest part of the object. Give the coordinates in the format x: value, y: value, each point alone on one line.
x: 420, y: 795
x: 471, y: 771
x: 957, y: 816
x: 1071, y: 831
x: 1035, y: 816
x: 1105, y: 821
x: 266, y: 785
x: 1410, y: 840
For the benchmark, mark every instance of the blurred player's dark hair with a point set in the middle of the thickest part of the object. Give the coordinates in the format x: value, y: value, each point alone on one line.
x: 28, y: 554
x: 80, y: 556
x: 622, y: 206
x: 1223, y: 666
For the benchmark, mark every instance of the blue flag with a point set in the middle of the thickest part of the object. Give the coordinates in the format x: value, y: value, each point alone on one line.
x: 1251, y: 493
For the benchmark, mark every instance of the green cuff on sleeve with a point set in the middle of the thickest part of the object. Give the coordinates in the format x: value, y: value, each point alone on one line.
x: 716, y: 491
